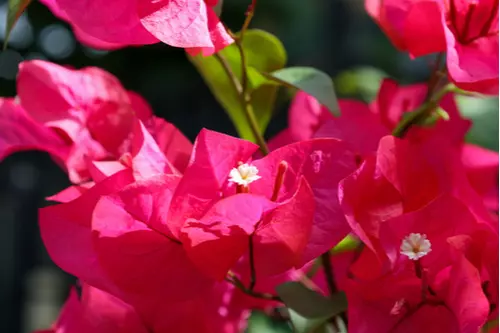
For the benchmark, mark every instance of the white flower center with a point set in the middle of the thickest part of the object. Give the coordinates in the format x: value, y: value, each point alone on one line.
x: 415, y: 246
x: 244, y: 174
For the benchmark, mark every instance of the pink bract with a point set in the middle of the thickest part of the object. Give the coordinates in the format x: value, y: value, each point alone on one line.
x: 71, y: 113
x: 466, y: 29
x: 208, y: 202
x: 189, y: 24
x: 96, y: 311
x: 377, y: 119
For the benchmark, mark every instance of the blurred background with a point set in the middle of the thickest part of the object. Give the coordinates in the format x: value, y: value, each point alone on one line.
x: 335, y: 36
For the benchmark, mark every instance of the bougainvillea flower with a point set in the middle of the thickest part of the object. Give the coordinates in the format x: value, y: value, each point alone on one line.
x: 207, y: 182
x: 441, y: 219
x: 66, y: 232
x: 114, y: 235
x: 466, y: 29
x: 76, y: 110
x: 192, y: 25
x: 481, y: 249
x: 390, y: 184
x: 279, y: 233
x: 438, y: 259
x: 96, y: 311
x: 395, y: 302
x: 220, y: 310
x: 377, y: 119
x: 131, y: 235
x: 386, y: 111
x: 308, y: 118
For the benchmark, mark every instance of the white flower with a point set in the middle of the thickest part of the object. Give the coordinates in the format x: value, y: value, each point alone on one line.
x: 415, y: 246
x: 244, y: 174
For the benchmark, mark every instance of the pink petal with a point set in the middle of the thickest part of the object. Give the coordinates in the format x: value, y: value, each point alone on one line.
x: 429, y: 318
x: 393, y: 100
x: 18, y: 132
x: 445, y: 217
x: 466, y: 297
x: 213, y: 157
x: 474, y: 66
x: 216, y: 241
x: 74, y: 99
x: 66, y: 231
x: 368, y: 199
x: 83, y: 150
x: 305, y: 116
x: 424, y: 36
x: 281, y: 139
x: 482, y: 171
x: 131, y: 237
x: 281, y: 238
x: 82, y: 36
x: 176, y: 147
x: 184, y: 23
x: 141, y: 107
x: 113, y: 21
x: 323, y: 163
x: 356, y: 118
x: 147, y: 158
x: 100, y: 170
x: 377, y: 11
x: 104, y: 313
x: 70, y: 193
x: 404, y: 168
x: 70, y: 318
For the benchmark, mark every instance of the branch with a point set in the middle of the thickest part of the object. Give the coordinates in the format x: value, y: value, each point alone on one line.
x: 244, y: 98
x: 431, y: 100
x: 239, y: 284
x: 422, y: 112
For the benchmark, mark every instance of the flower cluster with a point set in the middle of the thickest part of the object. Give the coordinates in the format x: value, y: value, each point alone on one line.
x: 165, y: 235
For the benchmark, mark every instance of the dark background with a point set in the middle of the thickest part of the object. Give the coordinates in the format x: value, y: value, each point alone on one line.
x: 335, y: 36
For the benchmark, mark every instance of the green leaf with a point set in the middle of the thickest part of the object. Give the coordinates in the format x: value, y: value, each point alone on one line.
x: 308, y: 309
x: 15, y: 9
x: 303, y: 324
x: 263, y: 53
x: 314, y: 82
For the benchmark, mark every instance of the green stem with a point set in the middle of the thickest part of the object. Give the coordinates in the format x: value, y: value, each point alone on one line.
x: 332, y: 287
x: 328, y: 270
x: 429, y: 105
x: 245, y: 102
x: 422, y: 112
x: 249, y: 16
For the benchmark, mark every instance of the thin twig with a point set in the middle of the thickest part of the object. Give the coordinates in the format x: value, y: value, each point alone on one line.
x: 332, y: 287
x: 328, y: 270
x: 421, y: 113
x: 229, y: 72
x: 253, y: 278
x: 244, y: 74
x: 245, y: 103
x: 239, y: 284
x: 431, y: 101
